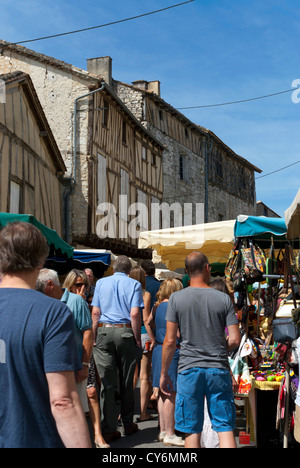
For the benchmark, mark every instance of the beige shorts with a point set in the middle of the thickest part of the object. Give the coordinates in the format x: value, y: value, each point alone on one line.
x: 297, y: 424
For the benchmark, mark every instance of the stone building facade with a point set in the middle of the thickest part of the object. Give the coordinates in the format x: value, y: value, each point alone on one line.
x: 93, y: 129
x: 198, y: 167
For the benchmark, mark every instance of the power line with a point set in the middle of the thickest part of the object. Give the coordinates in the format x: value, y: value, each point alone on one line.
x: 278, y: 170
x: 238, y: 102
x: 102, y: 25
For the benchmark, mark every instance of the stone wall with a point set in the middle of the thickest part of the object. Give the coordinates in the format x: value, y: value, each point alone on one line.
x: 223, y: 202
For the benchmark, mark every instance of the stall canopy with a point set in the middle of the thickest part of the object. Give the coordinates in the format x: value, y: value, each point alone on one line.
x: 97, y: 260
x: 57, y: 245
x: 172, y: 245
x: 292, y: 218
x: 262, y: 229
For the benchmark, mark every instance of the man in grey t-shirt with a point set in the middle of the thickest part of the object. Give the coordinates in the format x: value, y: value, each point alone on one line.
x: 201, y: 315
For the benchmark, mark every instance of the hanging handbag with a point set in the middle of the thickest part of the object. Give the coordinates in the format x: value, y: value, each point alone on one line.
x: 284, y: 330
x: 253, y: 262
x: 230, y: 267
x: 271, y: 266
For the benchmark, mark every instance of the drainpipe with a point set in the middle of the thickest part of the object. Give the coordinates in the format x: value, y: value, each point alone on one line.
x: 75, y: 126
x: 71, y: 181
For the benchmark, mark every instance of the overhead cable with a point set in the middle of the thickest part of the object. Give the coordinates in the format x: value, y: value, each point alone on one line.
x: 278, y: 170
x: 101, y: 25
x: 238, y: 102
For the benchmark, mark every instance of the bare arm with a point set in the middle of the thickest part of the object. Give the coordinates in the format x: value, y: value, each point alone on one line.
x: 67, y: 410
x: 136, y: 323
x: 87, y: 349
x: 95, y: 317
x: 169, y: 348
x: 146, y: 315
x: 234, y: 337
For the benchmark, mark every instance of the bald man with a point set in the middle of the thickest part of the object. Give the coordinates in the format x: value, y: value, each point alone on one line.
x: 201, y: 314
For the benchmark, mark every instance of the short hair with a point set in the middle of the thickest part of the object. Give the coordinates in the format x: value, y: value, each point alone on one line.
x: 22, y: 248
x: 138, y: 274
x: 72, y: 276
x: 220, y: 285
x: 149, y: 267
x: 122, y: 265
x: 46, y: 275
x: 167, y: 287
x: 195, y: 263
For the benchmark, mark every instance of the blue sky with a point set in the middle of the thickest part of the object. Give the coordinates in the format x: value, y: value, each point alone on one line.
x: 205, y: 52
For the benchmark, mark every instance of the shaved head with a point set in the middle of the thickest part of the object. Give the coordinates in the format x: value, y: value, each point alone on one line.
x: 195, y: 264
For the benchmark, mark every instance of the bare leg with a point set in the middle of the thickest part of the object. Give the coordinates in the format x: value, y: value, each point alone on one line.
x: 145, y: 388
x: 192, y: 440
x: 227, y: 439
x: 94, y: 408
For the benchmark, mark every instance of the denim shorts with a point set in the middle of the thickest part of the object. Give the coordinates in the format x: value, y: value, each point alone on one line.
x: 195, y: 384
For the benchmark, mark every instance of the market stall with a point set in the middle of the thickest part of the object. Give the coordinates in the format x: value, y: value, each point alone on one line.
x: 57, y: 245
x: 171, y: 246
x: 262, y: 255
x: 97, y: 260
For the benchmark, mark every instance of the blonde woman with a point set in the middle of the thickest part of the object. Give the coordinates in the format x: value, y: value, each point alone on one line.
x: 148, y: 340
x: 166, y: 404
x: 76, y: 282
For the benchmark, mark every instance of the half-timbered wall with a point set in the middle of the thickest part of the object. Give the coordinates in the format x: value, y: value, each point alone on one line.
x: 131, y: 161
x: 28, y: 180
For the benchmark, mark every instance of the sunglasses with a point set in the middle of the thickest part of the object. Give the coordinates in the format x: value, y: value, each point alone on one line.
x: 79, y: 285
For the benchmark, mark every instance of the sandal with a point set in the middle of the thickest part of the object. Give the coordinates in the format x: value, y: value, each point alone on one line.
x: 100, y: 446
x: 148, y: 417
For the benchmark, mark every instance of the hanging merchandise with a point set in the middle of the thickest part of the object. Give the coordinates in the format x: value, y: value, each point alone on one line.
x: 284, y: 330
x: 271, y: 266
x: 254, y: 263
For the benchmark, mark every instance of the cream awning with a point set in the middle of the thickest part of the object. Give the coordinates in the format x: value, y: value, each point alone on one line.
x: 172, y: 245
x: 292, y: 218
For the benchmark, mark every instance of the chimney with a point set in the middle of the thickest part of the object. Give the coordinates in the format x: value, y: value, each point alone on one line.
x: 142, y: 84
x: 152, y: 86
x: 101, y: 66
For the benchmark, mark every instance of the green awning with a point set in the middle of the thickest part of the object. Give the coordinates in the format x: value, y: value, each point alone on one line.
x: 56, y: 243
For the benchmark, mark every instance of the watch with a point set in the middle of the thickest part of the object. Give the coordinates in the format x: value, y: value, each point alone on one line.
x: 86, y: 364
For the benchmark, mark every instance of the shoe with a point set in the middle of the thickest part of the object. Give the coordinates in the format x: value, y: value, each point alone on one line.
x: 161, y: 436
x: 148, y: 417
x: 110, y: 436
x: 131, y: 429
x: 174, y: 440
x: 100, y: 446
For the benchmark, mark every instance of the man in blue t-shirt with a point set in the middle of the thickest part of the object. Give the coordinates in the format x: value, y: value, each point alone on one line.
x: 39, y: 405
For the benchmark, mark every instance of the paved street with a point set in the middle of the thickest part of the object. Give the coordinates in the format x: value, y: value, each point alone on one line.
x: 146, y: 437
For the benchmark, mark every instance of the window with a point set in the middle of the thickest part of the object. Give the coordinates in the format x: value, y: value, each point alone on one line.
x: 15, y: 194
x: 181, y: 168
x: 124, y: 135
x: 105, y: 115
x: 101, y: 188
x: 123, y: 205
x: 143, y: 216
x: 144, y: 153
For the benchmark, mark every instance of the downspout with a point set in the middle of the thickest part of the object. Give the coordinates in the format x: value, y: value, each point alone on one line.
x: 71, y: 181
x: 75, y: 125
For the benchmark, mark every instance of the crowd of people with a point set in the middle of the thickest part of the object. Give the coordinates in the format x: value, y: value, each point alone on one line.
x: 79, y: 348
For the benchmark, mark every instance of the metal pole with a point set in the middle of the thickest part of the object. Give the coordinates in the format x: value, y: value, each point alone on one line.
x: 286, y: 406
